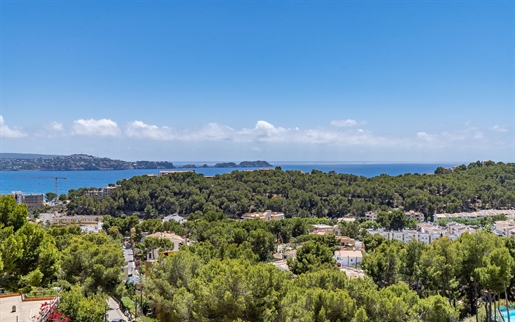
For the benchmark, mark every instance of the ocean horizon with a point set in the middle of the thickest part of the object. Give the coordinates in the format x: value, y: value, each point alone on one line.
x: 44, y: 181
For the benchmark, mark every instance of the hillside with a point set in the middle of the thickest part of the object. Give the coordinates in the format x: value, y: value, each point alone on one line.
x: 26, y: 156
x: 73, y: 162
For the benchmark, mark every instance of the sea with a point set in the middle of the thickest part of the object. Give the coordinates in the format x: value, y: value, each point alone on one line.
x: 45, y: 181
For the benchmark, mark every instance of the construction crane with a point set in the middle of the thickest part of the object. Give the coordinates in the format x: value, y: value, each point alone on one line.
x: 56, y: 183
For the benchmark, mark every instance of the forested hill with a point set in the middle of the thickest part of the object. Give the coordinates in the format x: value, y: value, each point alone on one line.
x: 316, y: 194
x: 26, y: 156
x: 76, y: 162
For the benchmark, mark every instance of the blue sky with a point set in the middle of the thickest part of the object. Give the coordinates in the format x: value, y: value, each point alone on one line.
x: 416, y: 81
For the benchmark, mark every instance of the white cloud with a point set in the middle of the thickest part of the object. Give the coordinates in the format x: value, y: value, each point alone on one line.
x: 51, y: 130
x: 211, y: 132
x: 92, y: 127
x: 263, y: 132
x: 344, y: 123
x: 343, y: 135
x: 424, y: 136
x: 7, y: 132
x: 56, y: 126
x: 499, y: 128
x: 138, y: 129
x: 478, y: 135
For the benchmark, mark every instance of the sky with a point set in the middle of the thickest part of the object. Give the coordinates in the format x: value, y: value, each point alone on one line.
x: 396, y: 81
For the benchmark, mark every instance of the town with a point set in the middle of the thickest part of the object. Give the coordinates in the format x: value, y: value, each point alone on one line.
x: 352, y: 244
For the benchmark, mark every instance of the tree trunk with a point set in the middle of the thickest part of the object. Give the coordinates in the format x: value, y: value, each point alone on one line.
x: 474, y: 305
x: 495, y: 306
x: 507, y: 303
x: 490, y: 307
x: 499, y: 307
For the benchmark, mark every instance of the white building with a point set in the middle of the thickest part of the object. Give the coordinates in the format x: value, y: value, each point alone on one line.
x: 474, y: 215
x: 265, y: 216
x: 174, y: 217
x: 348, y: 257
x: 505, y: 228
x: 422, y: 235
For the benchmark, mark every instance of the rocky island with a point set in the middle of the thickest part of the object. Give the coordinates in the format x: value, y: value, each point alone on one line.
x: 244, y: 164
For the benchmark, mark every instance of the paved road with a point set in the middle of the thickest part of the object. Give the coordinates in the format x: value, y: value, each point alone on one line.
x: 131, y: 265
x: 114, y: 311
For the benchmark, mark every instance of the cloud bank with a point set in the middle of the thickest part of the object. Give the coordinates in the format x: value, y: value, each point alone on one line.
x: 264, y: 135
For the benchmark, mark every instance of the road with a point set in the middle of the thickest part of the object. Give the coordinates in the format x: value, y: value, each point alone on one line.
x: 131, y: 265
x: 114, y: 311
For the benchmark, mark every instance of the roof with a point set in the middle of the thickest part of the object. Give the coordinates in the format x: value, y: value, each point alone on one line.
x: 165, y: 235
x: 25, y: 310
x: 321, y: 226
x: 348, y: 253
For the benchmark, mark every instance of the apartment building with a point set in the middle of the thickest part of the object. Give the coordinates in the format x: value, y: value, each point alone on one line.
x: 425, y: 232
x: 372, y: 215
x: 474, y: 215
x: 33, y: 201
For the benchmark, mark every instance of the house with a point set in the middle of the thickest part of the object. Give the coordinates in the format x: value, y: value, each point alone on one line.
x: 325, y: 230
x: 17, y: 308
x: 79, y: 219
x: 348, y: 257
x: 174, y: 217
x: 347, y: 219
x: 346, y: 241
x: 371, y: 215
x: 414, y: 215
x: 455, y: 228
x: 505, y: 228
x: 154, y: 254
x: 176, y: 240
x: 268, y: 215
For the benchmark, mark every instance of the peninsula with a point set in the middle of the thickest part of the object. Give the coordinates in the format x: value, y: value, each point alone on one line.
x: 75, y: 162
x: 40, y: 162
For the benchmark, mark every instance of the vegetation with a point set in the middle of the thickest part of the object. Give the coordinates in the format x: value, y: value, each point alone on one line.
x: 225, y: 274
x: 318, y: 194
x: 85, y: 267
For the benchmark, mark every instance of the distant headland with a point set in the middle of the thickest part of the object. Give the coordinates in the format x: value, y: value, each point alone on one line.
x: 40, y: 162
x: 244, y: 164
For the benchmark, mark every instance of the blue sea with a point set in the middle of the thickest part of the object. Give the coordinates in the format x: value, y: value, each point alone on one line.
x: 44, y: 181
